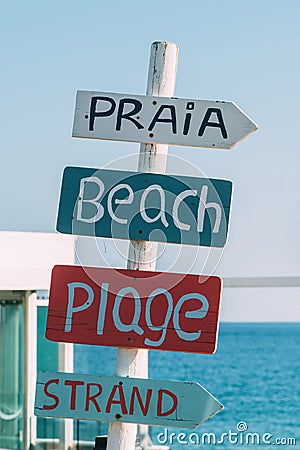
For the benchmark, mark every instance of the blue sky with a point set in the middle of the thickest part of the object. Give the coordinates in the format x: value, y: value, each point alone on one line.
x: 228, y: 50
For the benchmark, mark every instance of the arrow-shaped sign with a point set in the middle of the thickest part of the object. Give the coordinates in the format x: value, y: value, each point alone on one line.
x: 174, y: 121
x: 118, y: 399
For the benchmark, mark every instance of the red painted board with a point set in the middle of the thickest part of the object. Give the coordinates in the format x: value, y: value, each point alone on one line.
x: 129, y: 308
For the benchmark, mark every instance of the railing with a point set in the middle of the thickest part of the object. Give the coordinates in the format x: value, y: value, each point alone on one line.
x: 251, y: 282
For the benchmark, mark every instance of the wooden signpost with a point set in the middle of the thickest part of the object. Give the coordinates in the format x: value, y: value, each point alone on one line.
x: 175, y: 121
x: 122, y: 399
x: 138, y: 309
x: 139, y: 206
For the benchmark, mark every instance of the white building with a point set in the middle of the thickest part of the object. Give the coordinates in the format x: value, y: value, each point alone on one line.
x: 26, y: 261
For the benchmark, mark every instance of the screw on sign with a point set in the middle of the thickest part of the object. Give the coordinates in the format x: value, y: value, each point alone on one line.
x: 132, y: 400
x: 138, y: 309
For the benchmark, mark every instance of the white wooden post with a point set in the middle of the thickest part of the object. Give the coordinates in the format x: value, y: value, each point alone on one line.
x: 142, y: 254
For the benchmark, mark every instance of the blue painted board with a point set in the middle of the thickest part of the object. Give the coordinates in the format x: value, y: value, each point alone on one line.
x: 118, y: 399
x: 144, y: 206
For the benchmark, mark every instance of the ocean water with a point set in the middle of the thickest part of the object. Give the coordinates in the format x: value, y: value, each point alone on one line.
x: 255, y: 374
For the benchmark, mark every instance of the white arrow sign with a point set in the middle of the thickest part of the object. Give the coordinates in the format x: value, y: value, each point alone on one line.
x: 118, y: 399
x: 164, y: 120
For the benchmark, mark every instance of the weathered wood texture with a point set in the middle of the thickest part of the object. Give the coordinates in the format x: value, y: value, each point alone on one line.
x: 134, y: 309
x: 145, y: 206
x: 173, y: 121
x: 123, y: 399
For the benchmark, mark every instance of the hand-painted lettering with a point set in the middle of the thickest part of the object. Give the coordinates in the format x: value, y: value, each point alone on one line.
x: 98, y: 208
x: 172, y: 314
x: 136, y: 394
x: 171, y: 119
x: 127, y: 109
x: 71, y: 295
x: 198, y: 314
x: 94, y: 113
x: 160, y: 401
x: 187, y: 123
x: 118, y: 401
x: 164, y: 326
x: 178, y: 200
x: 125, y: 201
x: 203, y: 206
x: 106, y: 398
x: 133, y: 326
x: 102, y: 308
x: 161, y: 215
x: 92, y: 397
x: 219, y: 124
x: 53, y: 396
x: 91, y: 210
x: 137, y: 106
x: 73, y: 384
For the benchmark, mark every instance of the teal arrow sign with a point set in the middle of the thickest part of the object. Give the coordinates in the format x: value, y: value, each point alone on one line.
x: 118, y: 399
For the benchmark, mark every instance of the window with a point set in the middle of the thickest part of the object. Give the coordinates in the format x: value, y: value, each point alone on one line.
x: 11, y: 359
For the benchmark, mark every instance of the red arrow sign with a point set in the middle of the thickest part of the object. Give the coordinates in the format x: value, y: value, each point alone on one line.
x: 129, y: 308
